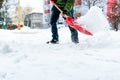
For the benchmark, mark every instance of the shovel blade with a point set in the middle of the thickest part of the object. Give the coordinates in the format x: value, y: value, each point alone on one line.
x: 72, y: 23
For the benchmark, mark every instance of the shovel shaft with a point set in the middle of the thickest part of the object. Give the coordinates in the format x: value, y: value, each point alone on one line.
x: 53, y: 3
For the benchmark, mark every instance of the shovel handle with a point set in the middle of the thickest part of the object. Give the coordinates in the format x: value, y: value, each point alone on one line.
x: 53, y: 3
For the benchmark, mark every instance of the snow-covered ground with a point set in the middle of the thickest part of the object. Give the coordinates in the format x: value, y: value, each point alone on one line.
x: 24, y: 55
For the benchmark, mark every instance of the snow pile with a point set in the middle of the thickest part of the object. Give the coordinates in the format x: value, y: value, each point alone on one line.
x: 94, y: 20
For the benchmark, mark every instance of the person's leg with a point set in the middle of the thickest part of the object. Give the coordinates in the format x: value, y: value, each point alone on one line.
x: 53, y: 22
x: 116, y: 26
x: 74, y: 33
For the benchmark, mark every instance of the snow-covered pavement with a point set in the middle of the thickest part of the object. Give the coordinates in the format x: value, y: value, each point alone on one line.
x: 24, y: 55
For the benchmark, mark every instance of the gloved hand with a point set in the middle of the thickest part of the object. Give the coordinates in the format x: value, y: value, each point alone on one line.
x: 53, y: 1
x: 64, y: 13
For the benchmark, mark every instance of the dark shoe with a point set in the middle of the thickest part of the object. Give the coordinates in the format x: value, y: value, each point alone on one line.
x: 76, y: 42
x: 74, y: 38
x: 53, y: 41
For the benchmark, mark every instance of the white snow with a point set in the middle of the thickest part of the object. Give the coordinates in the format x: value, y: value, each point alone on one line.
x: 24, y: 54
x: 94, y: 20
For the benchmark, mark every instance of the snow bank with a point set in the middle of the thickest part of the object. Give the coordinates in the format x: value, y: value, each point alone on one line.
x: 94, y: 20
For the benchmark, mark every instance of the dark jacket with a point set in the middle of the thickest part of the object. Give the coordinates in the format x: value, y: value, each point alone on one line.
x: 67, y: 5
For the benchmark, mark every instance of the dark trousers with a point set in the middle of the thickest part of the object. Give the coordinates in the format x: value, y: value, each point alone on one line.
x: 53, y: 22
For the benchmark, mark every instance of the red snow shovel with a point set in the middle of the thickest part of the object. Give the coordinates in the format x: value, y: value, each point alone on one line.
x: 72, y: 23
